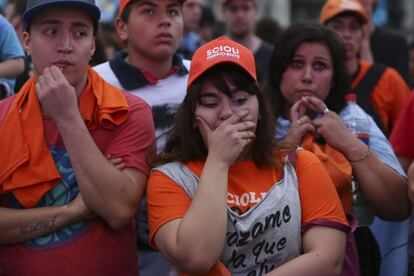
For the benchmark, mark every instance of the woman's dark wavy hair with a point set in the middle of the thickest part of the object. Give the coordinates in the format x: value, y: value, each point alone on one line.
x: 284, y: 51
x: 184, y: 141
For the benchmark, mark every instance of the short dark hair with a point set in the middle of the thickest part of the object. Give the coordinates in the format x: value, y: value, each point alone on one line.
x: 184, y: 141
x: 284, y: 51
x: 225, y: 4
x: 124, y: 15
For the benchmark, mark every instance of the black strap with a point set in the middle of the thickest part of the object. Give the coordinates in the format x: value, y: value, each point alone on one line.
x: 364, y: 89
x: 369, y: 254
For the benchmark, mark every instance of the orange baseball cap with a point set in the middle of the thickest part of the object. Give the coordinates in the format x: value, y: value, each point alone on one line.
x: 333, y: 8
x: 221, y: 50
x: 124, y: 3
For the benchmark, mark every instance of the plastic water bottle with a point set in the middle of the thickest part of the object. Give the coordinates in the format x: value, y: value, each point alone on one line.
x: 356, y: 120
x: 358, y: 123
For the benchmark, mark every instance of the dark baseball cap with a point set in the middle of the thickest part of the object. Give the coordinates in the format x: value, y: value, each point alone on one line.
x: 33, y: 7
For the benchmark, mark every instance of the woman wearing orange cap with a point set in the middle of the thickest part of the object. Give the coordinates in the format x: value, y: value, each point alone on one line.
x: 308, y: 81
x: 225, y: 198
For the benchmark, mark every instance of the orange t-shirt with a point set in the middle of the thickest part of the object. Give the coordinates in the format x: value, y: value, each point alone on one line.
x: 389, y: 94
x: 247, y: 186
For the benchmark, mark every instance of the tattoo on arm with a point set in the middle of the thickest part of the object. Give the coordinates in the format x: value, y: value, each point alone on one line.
x: 44, y: 224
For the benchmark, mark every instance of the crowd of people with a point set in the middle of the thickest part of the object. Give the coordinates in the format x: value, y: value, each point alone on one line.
x: 160, y: 141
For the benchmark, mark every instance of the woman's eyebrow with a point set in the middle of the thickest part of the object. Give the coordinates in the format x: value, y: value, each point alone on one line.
x: 208, y: 94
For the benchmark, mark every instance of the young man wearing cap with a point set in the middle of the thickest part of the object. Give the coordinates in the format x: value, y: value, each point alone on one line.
x: 150, y: 69
x: 240, y: 18
x: 65, y: 208
x: 382, y: 93
x: 387, y: 92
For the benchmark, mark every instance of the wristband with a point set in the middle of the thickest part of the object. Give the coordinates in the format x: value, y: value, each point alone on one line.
x: 367, y: 154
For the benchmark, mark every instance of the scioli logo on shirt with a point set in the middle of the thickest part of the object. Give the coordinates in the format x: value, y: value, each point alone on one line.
x: 223, y: 51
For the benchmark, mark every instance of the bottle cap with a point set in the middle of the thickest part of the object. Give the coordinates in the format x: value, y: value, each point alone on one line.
x: 351, y: 97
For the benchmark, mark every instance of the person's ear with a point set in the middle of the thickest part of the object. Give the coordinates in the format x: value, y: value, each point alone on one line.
x: 26, y: 41
x: 93, y: 48
x: 121, y: 28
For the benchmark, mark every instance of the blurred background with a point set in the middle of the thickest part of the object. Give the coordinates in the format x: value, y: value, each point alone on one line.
x: 395, y: 14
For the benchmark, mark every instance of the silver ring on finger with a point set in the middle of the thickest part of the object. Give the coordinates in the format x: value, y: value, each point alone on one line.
x: 299, y: 122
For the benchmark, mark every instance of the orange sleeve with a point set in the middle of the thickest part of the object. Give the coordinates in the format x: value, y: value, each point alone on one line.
x: 400, y: 96
x: 318, y: 197
x: 389, y: 96
x: 166, y: 201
